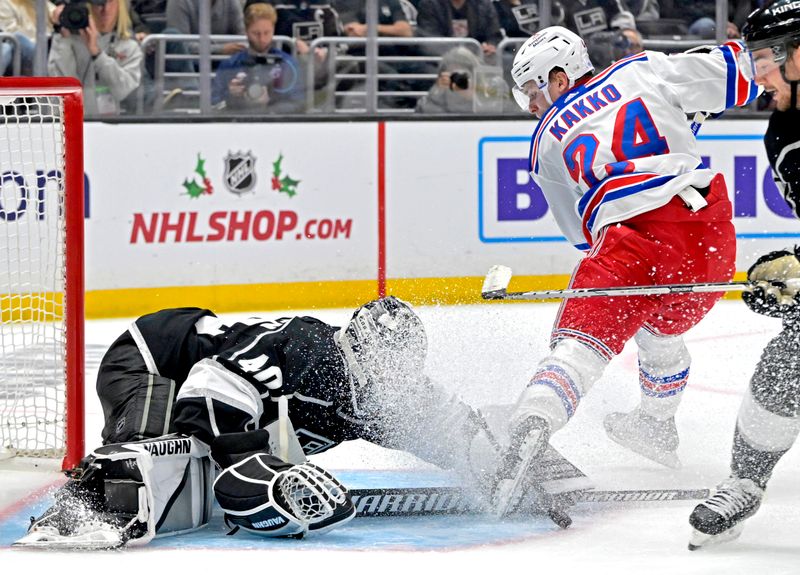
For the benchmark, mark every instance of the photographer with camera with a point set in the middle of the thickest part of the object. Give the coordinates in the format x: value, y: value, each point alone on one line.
x: 261, y: 78
x: 464, y: 86
x: 96, y: 45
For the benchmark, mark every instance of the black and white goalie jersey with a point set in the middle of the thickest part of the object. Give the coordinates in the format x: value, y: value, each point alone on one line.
x: 782, y: 142
x: 171, y: 341
x: 238, y: 389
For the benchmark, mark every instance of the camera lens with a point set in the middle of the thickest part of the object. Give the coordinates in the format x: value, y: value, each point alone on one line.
x: 75, y: 16
x: 459, y: 79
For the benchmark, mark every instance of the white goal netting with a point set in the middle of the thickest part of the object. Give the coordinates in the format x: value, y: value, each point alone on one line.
x: 32, y: 276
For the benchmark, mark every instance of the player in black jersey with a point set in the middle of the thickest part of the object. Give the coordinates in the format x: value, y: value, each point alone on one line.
x: 769, y: 417
x: 260, y: 395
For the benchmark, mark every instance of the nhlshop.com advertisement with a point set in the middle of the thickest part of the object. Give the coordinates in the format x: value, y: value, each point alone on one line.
x: 229, y: 204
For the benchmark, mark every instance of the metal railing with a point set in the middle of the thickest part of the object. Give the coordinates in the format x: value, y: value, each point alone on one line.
x: 192, y: 77
x: 371, y: 91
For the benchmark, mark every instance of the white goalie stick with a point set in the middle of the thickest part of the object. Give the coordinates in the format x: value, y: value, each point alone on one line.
x: 495, y: 287
x: 426, y: 501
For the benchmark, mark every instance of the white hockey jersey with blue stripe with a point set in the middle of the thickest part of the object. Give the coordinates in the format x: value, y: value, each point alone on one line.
x: 620, y: 145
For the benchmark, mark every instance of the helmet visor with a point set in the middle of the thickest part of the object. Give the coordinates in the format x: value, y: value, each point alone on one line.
x: 528, y: 93
x: 766, y: 60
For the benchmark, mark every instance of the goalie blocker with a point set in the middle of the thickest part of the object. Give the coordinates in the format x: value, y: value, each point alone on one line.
x: 129, y: 493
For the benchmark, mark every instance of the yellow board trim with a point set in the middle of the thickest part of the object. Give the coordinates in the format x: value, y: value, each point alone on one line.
x: 230, y: 298
x: 308, y: 295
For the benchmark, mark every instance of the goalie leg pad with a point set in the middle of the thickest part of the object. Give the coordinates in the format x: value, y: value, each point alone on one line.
x: 269, y: 497
x: 129, y: 494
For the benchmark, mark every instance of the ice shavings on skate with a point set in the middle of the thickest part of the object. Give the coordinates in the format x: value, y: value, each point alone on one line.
x: 645, y: 435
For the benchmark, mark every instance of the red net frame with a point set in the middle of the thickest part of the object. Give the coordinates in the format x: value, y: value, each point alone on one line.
x: 70, y: 93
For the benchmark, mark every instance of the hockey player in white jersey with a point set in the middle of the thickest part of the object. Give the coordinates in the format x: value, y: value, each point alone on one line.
x: 768, y: 421
x: 618, y: 164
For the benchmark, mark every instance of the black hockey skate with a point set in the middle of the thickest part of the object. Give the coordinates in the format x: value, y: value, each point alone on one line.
x: 720, y: 518
x: 515, y: 477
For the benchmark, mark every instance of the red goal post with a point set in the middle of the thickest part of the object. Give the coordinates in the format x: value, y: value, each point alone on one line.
x: 42, y: 269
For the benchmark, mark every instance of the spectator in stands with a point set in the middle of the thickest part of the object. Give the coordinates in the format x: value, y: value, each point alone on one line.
x: 304, y: 21
x: 460, y: 19
x: 104, y: 56
x: 700, y: 15
x: 392, y: 19
x: 607, y: 47
x: 630, y: 43
x: 463, y: 86
x: 260, y: 78
x: 183, y: 17
x: 18, y: 17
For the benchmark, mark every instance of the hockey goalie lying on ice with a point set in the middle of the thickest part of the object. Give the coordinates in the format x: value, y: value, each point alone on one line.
x: 184, y: 393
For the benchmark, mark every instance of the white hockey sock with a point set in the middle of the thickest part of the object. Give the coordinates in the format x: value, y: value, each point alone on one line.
x: 561, y: 380
x: 663, y: 371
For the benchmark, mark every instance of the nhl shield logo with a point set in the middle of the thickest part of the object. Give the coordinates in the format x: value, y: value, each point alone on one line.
x: 240, y: 172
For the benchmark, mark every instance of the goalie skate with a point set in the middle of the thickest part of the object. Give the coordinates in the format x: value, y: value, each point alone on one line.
x: 516, y: 475
x: 93, y: 535
x: 643, y: 434
x: 720, y: 518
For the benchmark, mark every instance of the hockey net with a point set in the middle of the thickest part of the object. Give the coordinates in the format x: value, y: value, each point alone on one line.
x: 41, y: 268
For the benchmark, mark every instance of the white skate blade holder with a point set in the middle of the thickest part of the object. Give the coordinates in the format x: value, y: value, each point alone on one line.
x: 643, y: 447
x: 666, y: 458
x: 509, y: 492
x: 101, y: 537
x: 700, y: 540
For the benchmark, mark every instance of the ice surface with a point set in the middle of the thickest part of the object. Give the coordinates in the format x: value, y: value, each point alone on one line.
x: 487, y: 353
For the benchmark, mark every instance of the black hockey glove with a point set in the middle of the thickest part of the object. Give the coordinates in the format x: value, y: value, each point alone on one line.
x: 776, y: 283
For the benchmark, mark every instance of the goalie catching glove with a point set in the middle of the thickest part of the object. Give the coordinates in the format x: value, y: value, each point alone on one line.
x: 264, y: 495
x: 776, y: 281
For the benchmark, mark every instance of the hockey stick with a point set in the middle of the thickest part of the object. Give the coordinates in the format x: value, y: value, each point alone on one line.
x: 495, y: 287
x: 427, y: 501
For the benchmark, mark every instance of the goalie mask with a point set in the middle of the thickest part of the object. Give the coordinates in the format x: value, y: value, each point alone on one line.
x: 384, y: 343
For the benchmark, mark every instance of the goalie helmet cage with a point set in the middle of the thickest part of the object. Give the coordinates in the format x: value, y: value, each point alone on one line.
x: 41, y: 269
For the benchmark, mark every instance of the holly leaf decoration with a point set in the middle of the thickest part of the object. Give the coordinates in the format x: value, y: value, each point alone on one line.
x: 193, y: 190
x: 276, y: 166
x: 200, y: 169
x: 289, y: 186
